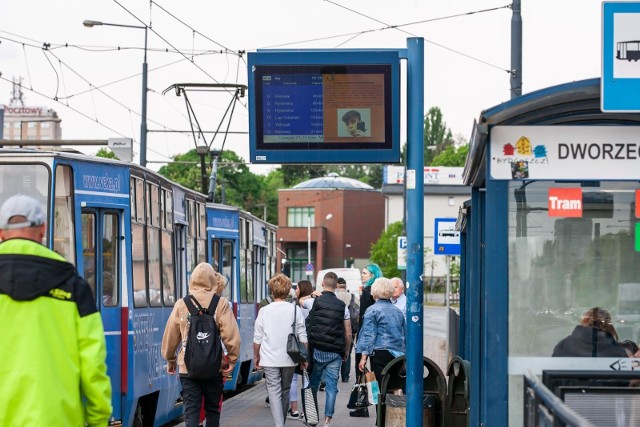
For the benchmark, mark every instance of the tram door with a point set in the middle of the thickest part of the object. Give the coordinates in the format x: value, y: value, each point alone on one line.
x: 102, y: 267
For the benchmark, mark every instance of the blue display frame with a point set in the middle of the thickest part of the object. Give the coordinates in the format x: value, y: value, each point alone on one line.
x: 299, y: 116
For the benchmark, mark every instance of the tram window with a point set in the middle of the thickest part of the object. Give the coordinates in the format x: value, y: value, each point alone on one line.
x: 153, y: 264
x: 169, y: 206
x: 110, y: 260
x: 138, y: 265
x: 89, y: 250
x: 139, y: 185
x: 154, y: 205
x: 168, y: 281
x: 63, y: 229
x: 132, y: 198
x: 202, y: 234
x: 227, y: 269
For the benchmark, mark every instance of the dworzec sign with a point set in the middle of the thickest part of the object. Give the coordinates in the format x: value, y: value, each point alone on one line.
x: 565, y: 152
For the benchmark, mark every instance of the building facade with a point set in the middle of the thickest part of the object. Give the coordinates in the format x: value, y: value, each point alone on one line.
x: 31, y: 123
x: 328, y: 222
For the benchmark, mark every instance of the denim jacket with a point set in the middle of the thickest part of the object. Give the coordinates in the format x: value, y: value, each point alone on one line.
x: 383, y: 329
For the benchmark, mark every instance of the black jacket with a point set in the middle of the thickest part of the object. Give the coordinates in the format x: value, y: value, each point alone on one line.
x: 366, y: 301
x: 325, y: 323
x: 586, y: 341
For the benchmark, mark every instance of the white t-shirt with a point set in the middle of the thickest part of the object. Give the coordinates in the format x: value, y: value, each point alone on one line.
x: 271, y: 330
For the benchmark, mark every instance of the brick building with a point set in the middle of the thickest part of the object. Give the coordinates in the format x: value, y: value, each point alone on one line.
x: 337, y: 218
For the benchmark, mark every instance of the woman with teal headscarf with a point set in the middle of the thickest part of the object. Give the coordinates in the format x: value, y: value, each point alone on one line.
x: 368, y: 275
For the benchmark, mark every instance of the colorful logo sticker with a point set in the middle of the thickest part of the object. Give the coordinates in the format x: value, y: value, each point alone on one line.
x: 565, y: 202
x: 637, y: 203
x: 522, y: 155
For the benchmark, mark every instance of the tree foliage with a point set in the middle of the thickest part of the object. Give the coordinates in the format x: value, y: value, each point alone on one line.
x: 452, y: 156
x: 384, y: 251
x: 437, y: 137
x: 105, y: 153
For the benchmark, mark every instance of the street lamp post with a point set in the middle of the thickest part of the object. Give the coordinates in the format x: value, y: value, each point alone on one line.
x: 143, y: 115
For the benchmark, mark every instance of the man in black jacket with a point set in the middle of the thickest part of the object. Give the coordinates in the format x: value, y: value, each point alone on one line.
x: 329, y: 332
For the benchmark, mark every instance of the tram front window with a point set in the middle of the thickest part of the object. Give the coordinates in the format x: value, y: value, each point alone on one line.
x: 28, y: 179
x: 572, y: 246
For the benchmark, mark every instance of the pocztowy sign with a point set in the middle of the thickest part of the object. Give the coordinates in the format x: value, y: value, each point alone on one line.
x: 24, y: 111
x: 565, y: 152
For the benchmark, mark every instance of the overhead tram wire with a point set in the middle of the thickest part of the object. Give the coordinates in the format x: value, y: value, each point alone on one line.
x: 82, y: 114
x: 398, y: 27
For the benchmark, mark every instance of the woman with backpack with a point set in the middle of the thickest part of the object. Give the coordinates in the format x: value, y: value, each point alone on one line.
x: 202, y: 289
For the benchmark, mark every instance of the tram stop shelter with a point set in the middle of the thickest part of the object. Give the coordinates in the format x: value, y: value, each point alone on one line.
x: 552, y: 229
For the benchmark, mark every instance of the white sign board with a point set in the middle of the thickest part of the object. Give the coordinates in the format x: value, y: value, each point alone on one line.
x: 402, y: 252
x: 565, y: 152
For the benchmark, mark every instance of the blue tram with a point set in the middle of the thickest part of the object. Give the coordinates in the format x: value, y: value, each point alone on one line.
x: 552, y: 229
x: 136, y: 236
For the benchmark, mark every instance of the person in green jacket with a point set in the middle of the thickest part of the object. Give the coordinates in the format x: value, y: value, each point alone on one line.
x: 53, y: 371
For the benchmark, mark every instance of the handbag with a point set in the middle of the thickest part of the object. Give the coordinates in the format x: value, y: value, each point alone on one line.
x: 373, y: 388
x: 295, y: 349
x: 359, y: 396
x: 309, y: 401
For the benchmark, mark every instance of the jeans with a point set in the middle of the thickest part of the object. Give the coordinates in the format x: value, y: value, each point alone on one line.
x: 193, y: 390
x: 278, y: 381
x: 331, y: 371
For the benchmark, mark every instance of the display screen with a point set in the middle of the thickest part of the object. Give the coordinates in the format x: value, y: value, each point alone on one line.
x: 319, y: 113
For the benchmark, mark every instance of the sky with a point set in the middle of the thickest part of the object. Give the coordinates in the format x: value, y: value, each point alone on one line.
x: 92, y: 76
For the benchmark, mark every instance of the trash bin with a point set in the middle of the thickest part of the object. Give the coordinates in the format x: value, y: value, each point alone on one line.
x: 434, y: 397
x: 396, y: 410
x: 458, y: 406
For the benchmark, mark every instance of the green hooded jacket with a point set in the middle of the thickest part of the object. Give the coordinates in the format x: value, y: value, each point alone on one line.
x: 53, y: 371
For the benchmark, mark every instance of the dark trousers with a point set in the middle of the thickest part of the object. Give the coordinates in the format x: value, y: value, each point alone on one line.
x: 345, y: 368
x: 379, y: 360
x: 193, y: 391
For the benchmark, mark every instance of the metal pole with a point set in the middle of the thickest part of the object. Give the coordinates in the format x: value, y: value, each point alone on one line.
x: 414, y: 182
x: 516, y: 50
x: 448, y: 305
x: 143, y: 122
x: 308, y: 239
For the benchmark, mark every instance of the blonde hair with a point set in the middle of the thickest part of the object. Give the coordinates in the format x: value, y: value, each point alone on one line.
x: 280, y: 285
x: 599, y: 318
x: 382, y: 288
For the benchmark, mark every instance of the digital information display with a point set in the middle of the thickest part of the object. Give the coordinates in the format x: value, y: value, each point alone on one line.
x: 324, y: 113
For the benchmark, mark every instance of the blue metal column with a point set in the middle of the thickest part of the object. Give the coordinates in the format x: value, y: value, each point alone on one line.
x: 414, y: 193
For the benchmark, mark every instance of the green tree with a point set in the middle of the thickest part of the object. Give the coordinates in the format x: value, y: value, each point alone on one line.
x: 384, y: 251
x: 437, y: 137
x: 452, y: 156
x: 105, y: 153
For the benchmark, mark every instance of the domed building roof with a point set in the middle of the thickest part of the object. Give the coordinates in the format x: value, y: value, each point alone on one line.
x: 333, y: 180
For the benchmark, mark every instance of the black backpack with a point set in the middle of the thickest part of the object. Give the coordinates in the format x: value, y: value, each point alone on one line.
x: 354, y: 313
x: 203, y: 351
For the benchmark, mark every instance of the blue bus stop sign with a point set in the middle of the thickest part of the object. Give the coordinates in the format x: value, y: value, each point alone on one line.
x: 620, y: 82
x: 446, y: 237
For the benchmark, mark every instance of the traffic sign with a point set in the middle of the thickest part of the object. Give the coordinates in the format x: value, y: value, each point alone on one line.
x: 446, y: 237
x: 309, y: 267
x: 620, y: 55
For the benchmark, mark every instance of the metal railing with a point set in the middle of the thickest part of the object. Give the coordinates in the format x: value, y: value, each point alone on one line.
x: 545, y: 409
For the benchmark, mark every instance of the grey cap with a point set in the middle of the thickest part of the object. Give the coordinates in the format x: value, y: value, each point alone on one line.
x: 21, y: 205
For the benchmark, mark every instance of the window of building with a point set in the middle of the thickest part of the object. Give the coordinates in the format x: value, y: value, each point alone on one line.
x: 299, y: 216
x: 45, y: 125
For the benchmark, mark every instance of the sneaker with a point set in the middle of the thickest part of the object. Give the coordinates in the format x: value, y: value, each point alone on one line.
x: 322, y: 386
x: 293, y: 415
x: 266, y: 402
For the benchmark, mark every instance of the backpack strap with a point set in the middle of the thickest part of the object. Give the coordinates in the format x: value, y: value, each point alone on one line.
x: 193, y: 305
x: 352, y: 299
x: 214, y: 304
x: 293, y: 325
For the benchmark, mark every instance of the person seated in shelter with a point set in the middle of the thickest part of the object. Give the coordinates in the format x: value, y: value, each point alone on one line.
x: 595, y: 336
